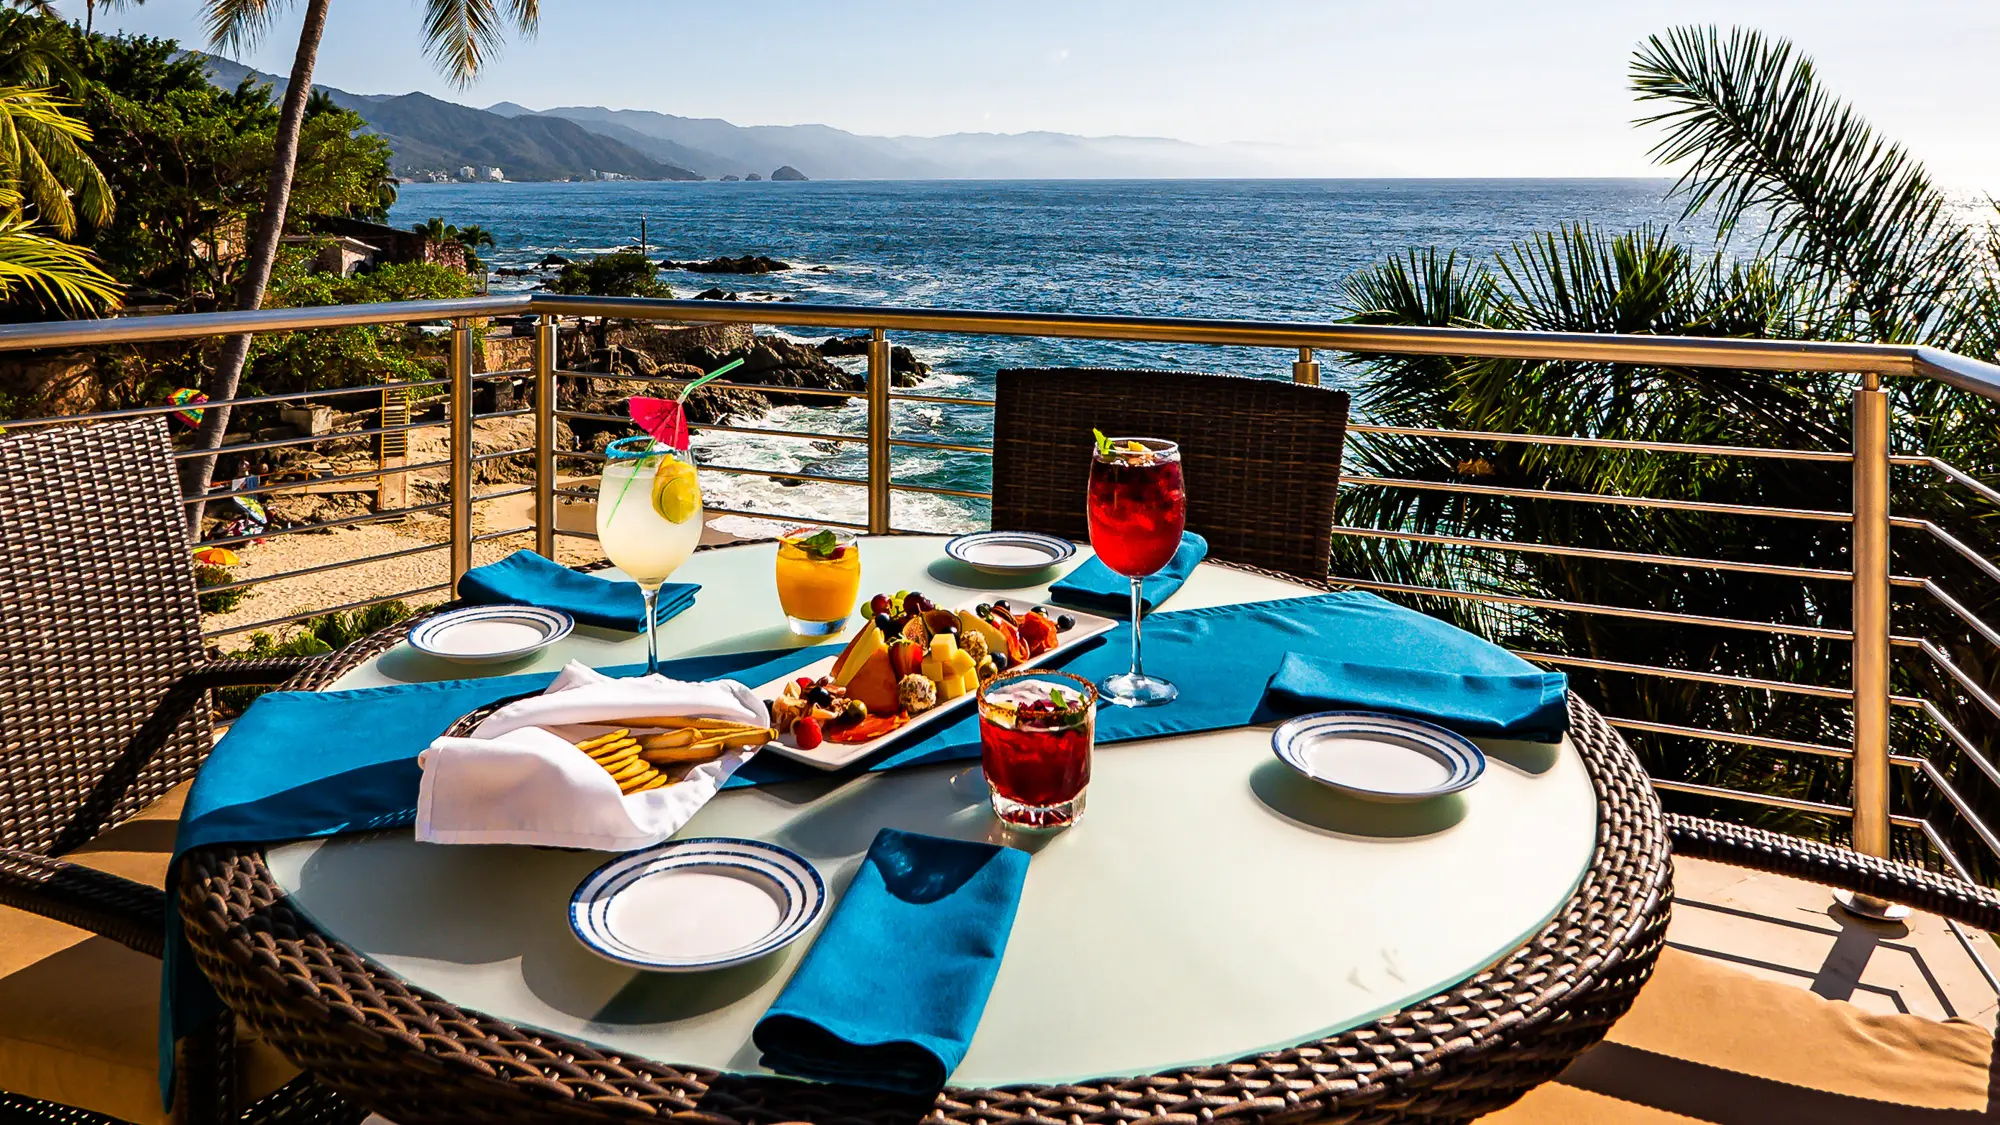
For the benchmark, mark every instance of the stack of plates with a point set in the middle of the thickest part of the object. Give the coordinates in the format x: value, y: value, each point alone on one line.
x: 689, y: 905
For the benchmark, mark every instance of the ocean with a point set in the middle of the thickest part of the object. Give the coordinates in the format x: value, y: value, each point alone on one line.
x: 1255, y: 249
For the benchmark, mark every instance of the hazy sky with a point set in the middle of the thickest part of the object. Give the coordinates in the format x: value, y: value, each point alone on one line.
x: 1358, y: 87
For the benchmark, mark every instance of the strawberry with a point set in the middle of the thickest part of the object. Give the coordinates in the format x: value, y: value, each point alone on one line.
x: 807, y: 733
x: 905, y: 656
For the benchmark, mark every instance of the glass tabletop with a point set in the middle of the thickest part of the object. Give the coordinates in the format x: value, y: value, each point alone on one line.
x: 1208, y: 905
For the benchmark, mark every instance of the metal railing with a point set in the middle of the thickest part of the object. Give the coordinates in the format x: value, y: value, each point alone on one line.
x: 1869, y: 636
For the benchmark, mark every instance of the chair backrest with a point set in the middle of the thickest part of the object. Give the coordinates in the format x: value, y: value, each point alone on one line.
x: 100, y: 622
x: 1261, y: 456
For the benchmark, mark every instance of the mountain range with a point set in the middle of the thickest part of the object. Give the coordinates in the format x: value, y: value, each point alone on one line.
x: 432, y: 137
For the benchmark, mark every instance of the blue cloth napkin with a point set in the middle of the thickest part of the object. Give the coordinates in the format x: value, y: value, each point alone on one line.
x: 1221, y: 657
x: 1529, y: 704
x: 1099, y: 589
x: 302, y: 764
x: 891, y: 992
x: 526, y: 578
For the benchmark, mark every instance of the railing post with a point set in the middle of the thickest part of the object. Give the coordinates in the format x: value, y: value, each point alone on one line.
x: 461, y: 449
x: 1871, y: 635
x: 1306, y: 370
x: 545, y: 437
x: 878, y: 432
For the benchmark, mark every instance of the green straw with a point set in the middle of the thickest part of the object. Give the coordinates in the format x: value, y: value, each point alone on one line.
x: 723, y: 370
x: 686, y: 390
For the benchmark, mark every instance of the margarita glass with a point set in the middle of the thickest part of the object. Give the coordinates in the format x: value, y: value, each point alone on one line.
x: 649, y: 518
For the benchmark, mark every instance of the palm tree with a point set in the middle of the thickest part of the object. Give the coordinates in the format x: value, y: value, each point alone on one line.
x: 90, y: 11
x: 459, y: 36
x: 1859, y: 244
x: 472, y: 238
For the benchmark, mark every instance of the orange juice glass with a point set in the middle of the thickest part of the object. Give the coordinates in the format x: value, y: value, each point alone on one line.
x: 819, y: 578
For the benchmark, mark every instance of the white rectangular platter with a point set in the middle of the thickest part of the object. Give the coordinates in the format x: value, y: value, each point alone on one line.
x: 832, y: 756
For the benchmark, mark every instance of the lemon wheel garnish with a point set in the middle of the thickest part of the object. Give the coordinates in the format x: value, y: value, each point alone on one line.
x: 676, y: 492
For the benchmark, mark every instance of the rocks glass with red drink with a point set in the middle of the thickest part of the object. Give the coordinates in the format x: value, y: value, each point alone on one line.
x: 1138, y: 510
x: 1035, y: 733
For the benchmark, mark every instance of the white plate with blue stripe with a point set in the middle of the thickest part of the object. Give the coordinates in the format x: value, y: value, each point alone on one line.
x: 692, y: 905
x: 1378, y: 757
x: 488, y: 634
x: 1009, y: 552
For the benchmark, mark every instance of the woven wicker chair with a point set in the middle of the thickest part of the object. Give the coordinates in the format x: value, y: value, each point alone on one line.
x: 1261, y: 456
x: 103, y: 704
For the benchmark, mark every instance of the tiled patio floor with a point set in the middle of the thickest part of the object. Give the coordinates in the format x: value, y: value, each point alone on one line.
x: 1788, y: 930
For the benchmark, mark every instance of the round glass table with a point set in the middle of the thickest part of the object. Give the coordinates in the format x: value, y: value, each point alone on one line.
x: 1210, y: 907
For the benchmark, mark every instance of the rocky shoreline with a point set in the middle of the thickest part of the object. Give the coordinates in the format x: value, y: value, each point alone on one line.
x: 776, y: 371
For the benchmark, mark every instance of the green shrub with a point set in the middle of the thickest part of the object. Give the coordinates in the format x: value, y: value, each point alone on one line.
x: 626, y: 273
x: 328, y: 632
x: 221, y: 601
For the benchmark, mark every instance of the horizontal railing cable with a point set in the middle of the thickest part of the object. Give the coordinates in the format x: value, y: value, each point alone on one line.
x: 1599, y: 498
x: 1810, y: 631
x: 311, y: 613
x: 1597, y: 553
x: 1692, y: 448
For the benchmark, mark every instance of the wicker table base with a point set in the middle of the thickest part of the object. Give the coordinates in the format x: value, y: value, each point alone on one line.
x: 417, y: 1058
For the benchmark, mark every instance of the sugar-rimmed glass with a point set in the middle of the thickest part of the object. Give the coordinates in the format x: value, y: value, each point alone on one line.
x: 649, y: 518
x: 1036, y: 756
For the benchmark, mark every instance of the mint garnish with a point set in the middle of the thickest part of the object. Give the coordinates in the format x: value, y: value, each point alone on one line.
x: 1056, y: 697
x: 1103, y: 443
x: 820, y: 545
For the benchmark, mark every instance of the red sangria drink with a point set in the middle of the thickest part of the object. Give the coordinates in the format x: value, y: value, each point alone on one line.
x: 1137, y: 511
x: 1035, y: 732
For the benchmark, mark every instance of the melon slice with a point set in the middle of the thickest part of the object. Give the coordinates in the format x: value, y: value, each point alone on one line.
x: 866, y: 644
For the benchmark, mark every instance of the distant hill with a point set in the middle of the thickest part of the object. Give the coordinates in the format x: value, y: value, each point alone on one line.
x: 430, y: 135
x: 570, y: 142
x: 715, y: 147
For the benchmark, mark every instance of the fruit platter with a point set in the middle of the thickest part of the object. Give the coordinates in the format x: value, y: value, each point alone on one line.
x: 911, y: 665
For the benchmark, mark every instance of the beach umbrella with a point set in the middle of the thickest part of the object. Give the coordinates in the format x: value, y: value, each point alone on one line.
x: 187, y: 396
x: 218, y: 556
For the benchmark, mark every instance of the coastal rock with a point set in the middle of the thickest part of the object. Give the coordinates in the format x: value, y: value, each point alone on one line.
x: 553, y: 261
x: 707, y: 406
x: 752, y: 178
x: 716, y: 294
x: 902, y: 361
x: 748, y: 263
x: 788, y: 174
x: 730, y: 180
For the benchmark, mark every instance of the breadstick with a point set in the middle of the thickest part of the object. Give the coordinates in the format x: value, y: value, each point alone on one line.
x: 680, y: 722
x: 678, y: 754
x: 668, y: 740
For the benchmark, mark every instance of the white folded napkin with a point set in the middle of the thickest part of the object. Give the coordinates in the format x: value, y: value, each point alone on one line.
x: 519, y: 780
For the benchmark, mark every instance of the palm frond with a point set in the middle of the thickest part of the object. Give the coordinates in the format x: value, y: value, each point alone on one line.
x: 236, y: 25
x: 40, y: 151
x: 1748, y: 118
x: 64, y: 275
x: 462, y: 35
